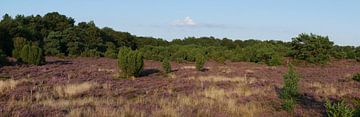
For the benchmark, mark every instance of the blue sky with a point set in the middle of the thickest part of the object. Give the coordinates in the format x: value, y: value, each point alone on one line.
x: 235, y: 19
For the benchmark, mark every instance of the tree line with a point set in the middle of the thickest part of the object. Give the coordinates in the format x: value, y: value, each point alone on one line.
x: 55, y: 34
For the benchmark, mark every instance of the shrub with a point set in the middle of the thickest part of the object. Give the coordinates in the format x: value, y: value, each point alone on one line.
x: 91, y: 53
x: 110, y: 54
x: 32, y: 55
x: 157, y: 53
x: 110, y: 50
x: 200, y: 61
x: 130, y: 62
x: 3, y: 60
x: 289, y: 104
x: 217, y: 54
x: 180, y: 55
x: 219, y: 57
x: 263, y: 53
x: 356, y: 77
x: 275, y: 60
x: 289, y: 92
x: 339, y: 109
x: 19, y: 43
x: 356, y: 112
x: 312, y: 48
x: 237, y: 55
x: 166, y: 65
x: 74, y: 48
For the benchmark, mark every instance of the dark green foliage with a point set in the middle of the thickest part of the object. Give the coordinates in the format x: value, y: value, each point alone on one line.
x: 55, y: 44
x: 356, y: 112
x: 289, y: 91
x: 32, y: 55
x: 312, y: 48
x: 339, y: 109
x: 180, y: 56
x: 291, y: 79
x: 217, y: 54
x: 275, y: 60
x: 6, y: 43
x: 263, y: 53
x: 130, y: 62
x: 289, y: 104
x: 357, y: 54
x: 111, y: 51
x: 344, y: 52
x: 184, y: 53
x: 166, y: 65
x: 356, y: 77
x: 58, y: 35
x: 199, y: 62
x: 57, y: 22
x: 121, y: 39
x: 3, y: 60
x: 19, y: 43
x: 91, y: 53
x: 149, y: 41
x: 157, y: 53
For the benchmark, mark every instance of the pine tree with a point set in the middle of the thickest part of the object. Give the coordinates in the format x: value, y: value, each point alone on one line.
x: 19, y: 43
x: 32, y: 55
x: 200, y: 61
x: 289, y: 92
x: 130, y: 62
x: 166, y: 65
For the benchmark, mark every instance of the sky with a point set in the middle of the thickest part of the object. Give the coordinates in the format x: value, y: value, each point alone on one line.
x: 234, y: 19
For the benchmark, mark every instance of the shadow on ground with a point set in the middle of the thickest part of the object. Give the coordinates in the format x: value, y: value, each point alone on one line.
x: 147, y: 72
x: 60, y: 62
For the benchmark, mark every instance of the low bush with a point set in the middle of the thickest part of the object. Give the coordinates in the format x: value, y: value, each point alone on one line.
x: 111, y: 51
x: 356, y: 77
x: 275, y: 60
x: 19, y: 43
x: 130, y: 62
x: 289, y: 104
x: 110, y: 54
x: 356, y: 112
x: 32, y: 54
x: 339, y: 109
x: 91, y: 53
x: 263, y: 53
x: 200, y: 61
x: 166, y: 65
x: 157, y: 53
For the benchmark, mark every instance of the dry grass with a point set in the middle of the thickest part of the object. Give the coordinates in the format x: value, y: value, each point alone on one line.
x: 9, y: 85
x: 188, y: 67
x: 106, y: 70
x: 70, y: 90
x: 214, y: 99
x: 203, y: 106
x: 225, y: 69
x: 200, y: 103
x: 100, y: 107
x: 329, y: 89
x: 226, y: 79
x: 104, y: 112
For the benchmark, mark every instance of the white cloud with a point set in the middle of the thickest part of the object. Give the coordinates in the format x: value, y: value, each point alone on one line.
x: 185, y: 22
